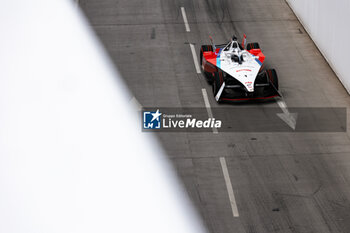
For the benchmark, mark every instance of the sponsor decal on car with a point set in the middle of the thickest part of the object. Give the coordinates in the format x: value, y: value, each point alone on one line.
x: 243, y: 70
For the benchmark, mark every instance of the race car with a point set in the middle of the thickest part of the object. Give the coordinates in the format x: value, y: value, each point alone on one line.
x: 236, y: 73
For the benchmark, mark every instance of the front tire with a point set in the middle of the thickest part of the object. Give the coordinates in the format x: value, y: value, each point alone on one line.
x: 272, y: 75
x: 215, y: 88
x: 217, y: 82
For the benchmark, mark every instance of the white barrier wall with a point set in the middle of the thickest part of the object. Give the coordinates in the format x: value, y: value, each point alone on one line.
x: 328, y: 23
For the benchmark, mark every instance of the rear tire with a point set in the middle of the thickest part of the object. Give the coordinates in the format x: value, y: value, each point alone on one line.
x: 254, y: 45
x: 205, y: 48
x: 272, y: 75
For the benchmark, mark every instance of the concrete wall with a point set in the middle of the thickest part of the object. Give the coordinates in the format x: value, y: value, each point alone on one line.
x: 328, y: 23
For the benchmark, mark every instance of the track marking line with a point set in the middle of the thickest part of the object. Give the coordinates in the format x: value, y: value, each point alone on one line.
x: 231, y: 195
x: 283, y: 106
x: 289, y: 118
x: 207, y: 105
x: 195, y: 59
x: 185, y: 19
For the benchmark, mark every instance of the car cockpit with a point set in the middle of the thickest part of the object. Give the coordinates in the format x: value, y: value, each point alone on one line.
x: 234, y: 51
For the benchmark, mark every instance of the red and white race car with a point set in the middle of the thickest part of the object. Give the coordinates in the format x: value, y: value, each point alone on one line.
x: 236, y: 73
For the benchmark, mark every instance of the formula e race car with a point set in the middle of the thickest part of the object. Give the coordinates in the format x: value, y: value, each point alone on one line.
x: 235, y: 71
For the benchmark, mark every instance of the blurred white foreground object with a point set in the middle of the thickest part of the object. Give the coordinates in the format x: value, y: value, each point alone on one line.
x: 72, y: 156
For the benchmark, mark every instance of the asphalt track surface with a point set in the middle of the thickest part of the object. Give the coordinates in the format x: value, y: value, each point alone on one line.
x: 239, y: 182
